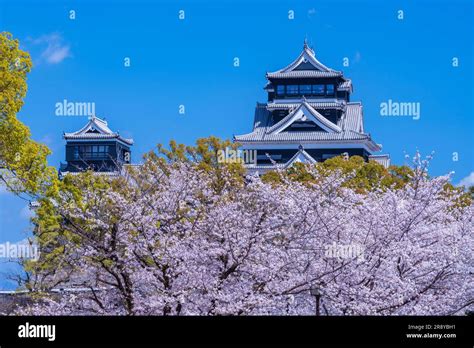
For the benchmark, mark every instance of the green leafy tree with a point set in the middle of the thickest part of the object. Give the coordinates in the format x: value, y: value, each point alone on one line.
x: 53, y: 229
x: 366, y: 176
x: 23, y: 165
x: 207, y: 156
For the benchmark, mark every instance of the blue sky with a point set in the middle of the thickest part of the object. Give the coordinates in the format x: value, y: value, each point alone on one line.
x: 190, y: 62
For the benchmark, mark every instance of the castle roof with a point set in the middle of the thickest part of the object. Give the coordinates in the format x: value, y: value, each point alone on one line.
x: 96, y: 129
x: 348, y: 129
x: 306, y: 65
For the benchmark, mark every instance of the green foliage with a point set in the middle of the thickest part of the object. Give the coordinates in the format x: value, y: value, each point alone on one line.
x: 364, y: 176
x: 458, y: 195
x: 205, y: 155
x: 23, y: 165
x: 24, y: 170
x: 58, y: 235
x: 53, y: 231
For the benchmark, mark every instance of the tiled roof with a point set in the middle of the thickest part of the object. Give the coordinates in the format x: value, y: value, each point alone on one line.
x: 301, y: 156
x: 262, y: 116
x: 95, y: 124
x: 352, y: 119
x: 90, y: 135
x: 307, y: 57
x: 382, y: 159
x: 260, y: 135
x: 96, y: 128
x: 304, y: 73
x: 315, y: 105
x: 304, y: 110
x: 350, y: 124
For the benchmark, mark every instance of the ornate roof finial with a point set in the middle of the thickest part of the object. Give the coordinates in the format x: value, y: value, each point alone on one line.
x: 305, y: 46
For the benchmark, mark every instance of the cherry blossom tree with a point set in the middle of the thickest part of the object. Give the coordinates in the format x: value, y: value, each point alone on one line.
x: 169, y: 241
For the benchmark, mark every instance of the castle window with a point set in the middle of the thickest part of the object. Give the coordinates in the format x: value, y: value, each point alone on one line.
x: 91, y: 151
x: 305, y: 89
x: 292, y: 89
x: 281, y: 90
x: 318, y: 89
x: 329, y: 89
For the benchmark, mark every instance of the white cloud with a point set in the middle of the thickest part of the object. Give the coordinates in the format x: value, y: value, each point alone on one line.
x: 53, y: 48
x: 54, y: 55
x: 468, y: 181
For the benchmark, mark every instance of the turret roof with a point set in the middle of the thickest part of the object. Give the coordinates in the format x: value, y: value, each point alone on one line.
x: 96, y: 128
